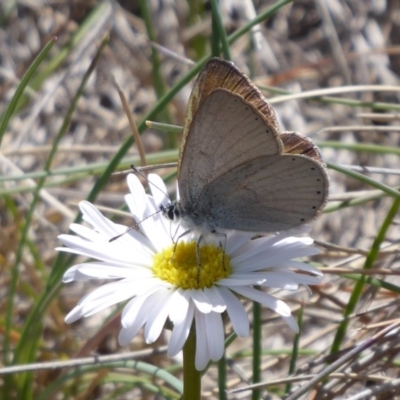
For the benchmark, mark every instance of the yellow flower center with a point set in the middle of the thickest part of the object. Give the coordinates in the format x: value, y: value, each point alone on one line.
x: 180, y: 265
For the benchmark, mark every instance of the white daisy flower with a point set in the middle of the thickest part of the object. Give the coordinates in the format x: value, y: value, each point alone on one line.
x: 162, y: 279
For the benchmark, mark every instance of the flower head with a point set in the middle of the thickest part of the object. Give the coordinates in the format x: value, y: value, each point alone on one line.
x: 166, y: 279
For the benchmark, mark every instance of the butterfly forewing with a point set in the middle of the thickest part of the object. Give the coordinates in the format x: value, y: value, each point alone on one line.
x: 225, y: 132
x: 222, y: 74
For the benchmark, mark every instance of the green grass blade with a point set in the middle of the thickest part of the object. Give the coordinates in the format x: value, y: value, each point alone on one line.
x: 358, y: 288
x: 21, y: 87
x: 219, y: 33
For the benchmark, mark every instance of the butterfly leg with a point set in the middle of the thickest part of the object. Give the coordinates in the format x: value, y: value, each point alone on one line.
x: 199, y: 240
x: 222, y: 235
x: 177, y: 241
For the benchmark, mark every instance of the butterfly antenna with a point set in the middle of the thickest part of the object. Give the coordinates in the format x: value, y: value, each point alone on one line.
x: 137, y: 171
x: 131, y: 228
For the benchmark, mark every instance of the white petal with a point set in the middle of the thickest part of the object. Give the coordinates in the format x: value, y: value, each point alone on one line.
x: 253, y: 247
x: 158, y: 190
x: 126, y: 335
x: 272, y: 258
x: 215, y: 299
x: 137, y: 199
x: 135, y: 314
x: 280, y: 279
x: 265, y: 299
x: 111, y: 293
x: 180, y: 332
x: 87, y: 233
x: 101, y: 298
x: 149, y: 215
x: 132, y: 309
x: 238, y: 279
x: 215, y: 335
x: 106, y: 251
x: 272, y: 246
x: 201, y: 301
x: 202, y: 351
x: 104, y: 236
x: 87, y: 271
x: 106, y: 228
x: 302, y: 267
x: 292, y: 323
x: 157, y: 316
x: 94, y: 217
x: 179, y: 306
x: 289, y: 280
x: 74, y: 315
x: 236, y: 312
x: 131, y: 329
x: 235, y: 240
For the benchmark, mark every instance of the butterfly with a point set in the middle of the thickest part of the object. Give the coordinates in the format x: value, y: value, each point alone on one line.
x: 236, y: 169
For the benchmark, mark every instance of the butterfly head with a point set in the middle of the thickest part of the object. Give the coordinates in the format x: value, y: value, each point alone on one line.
x: 171, y: 211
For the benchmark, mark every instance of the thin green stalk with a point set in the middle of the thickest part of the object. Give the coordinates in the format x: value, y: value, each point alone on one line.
x: 191, y: 377
x: 198, y: 43
x: 159, y: 83
x: 358, y: 288
x: 164, y: 127
x: 277, y: 352
x: 364, y: 147
x: 257, y: 349
x: 222, y: 376
x: 149, y: 374
x: 230, y: 339
x: 377, y: 283
x: 84, y: 28
x: 365, y: 179
x: 379, y: 106
x: 21, y: 87
x: 94, y: 168
x: 220, y: 33
x: 54, y: 63
x: 333, y: 100
x: 214, y: 38
x: 354, y: 202
x: 295, y: 350
x: 260, y: 18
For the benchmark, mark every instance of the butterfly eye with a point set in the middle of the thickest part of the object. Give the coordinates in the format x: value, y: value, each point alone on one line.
x: 171, y: 211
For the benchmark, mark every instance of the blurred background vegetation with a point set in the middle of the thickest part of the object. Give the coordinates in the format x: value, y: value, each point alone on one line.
x: 332, y: 71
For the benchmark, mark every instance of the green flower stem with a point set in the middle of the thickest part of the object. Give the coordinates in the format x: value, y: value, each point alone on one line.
x: 191, y: 377
x: 257, y: 349
x: 222, y: 379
